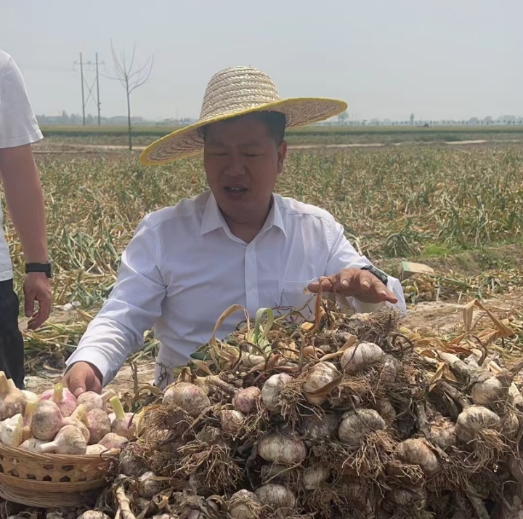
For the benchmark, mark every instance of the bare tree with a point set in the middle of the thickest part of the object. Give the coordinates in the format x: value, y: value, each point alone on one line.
x: 131, y: 77
x: 342, y: 118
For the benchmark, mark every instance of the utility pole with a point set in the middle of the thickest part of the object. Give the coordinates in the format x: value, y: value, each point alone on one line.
x: 89, y: 64
x: 82, y: 79
x: 98, y: 89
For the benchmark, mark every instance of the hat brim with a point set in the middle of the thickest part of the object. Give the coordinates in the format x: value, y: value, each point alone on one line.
x: 187, y: 141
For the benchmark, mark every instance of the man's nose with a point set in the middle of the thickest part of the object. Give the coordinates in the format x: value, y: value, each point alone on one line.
x: 235, y: 166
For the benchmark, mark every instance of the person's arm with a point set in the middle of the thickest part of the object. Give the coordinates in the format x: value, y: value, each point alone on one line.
x: 133, y: 307
x: 25, y: 202
x: 365, y: 292
x: 23, y: 191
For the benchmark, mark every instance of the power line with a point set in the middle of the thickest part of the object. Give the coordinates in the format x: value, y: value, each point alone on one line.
x: 96, y: 81
x: 47, y: 69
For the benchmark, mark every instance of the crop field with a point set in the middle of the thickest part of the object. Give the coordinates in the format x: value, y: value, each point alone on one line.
x: 395, y: 202
x: 143, y: 135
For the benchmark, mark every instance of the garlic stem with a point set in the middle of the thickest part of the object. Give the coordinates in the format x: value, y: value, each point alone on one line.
x: 80, y: 414
x: 48, y: 447
x: 108, y: 395
x: 28, y: 417
x: 58, y: 392
x: 4, y: 384
x: 117, y: 407
x: 29, y: 410
x: 26, y: 433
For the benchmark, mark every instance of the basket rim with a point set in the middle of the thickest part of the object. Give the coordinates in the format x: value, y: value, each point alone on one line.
x: 70, y: 459
x: 14, y: 483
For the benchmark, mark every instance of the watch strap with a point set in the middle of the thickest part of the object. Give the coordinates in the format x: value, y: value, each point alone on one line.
x: 377, y: 273
x: 39, y: 267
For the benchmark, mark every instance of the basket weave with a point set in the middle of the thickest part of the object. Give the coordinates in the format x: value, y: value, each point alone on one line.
x: 51, y: 480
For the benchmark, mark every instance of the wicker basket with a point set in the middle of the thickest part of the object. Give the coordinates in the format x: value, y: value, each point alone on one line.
x: 52, y: 480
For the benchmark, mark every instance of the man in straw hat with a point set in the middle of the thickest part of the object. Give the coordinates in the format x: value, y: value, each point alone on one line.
x: 238, y: 243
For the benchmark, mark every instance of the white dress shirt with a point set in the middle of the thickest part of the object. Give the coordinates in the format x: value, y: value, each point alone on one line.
x: 184, y: 267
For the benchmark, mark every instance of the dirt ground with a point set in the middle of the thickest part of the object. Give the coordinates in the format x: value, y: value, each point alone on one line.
x: 427, y: 318
x: 58, y: 148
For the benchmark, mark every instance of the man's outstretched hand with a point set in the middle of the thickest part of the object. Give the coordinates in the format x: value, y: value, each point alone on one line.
x: 360, y: 284
x: 82, y: 377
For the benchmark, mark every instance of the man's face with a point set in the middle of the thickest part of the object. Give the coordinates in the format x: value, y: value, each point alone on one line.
x: 242, y: 162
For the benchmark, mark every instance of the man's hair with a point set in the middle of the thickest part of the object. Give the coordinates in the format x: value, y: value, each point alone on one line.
x: 274, y: 121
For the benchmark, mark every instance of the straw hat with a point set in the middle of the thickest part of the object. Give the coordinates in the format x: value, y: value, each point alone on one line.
x: 237, y: 91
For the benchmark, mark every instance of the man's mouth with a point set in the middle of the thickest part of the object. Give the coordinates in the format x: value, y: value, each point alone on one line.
x: 235, y: 189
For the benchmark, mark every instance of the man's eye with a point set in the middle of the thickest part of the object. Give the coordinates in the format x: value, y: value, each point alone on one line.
x: 253, y: 154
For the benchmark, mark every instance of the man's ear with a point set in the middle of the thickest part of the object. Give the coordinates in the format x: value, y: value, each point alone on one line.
x: 282, y: 153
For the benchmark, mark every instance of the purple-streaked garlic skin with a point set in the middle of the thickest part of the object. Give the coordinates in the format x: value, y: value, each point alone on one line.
x: 122, y: 424
x: 62, y: 397
x: 48, y: 420
x: 93, y: 400
x: 98, y: 424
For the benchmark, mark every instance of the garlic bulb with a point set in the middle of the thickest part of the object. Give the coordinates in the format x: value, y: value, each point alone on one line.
x: 321, y: 375
x: 361, y: 356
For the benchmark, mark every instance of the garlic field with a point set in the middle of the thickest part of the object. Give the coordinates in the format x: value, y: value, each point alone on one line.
x: 395, y: 203
x: 341, y: 417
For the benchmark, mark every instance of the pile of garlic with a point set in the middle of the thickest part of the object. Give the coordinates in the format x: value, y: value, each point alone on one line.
x: 57, y: 422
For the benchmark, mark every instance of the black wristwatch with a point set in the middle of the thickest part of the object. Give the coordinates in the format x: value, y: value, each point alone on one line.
x: 377, y: 272
x: 39, y: 267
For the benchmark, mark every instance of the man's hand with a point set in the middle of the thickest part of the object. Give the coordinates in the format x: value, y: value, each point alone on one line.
x: 82, y: 377
x: 37, y: 289
x: 360, y: 284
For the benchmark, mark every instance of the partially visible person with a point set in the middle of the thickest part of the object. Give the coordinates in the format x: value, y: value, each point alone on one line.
x: 23, y: 194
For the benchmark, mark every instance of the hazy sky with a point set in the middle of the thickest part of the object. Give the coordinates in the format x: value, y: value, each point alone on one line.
x: 387, y: 58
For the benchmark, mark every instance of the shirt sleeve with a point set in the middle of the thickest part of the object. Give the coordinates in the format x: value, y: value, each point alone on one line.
x: 132, y: 308
x: 344, y: 255
x: 18, y: 124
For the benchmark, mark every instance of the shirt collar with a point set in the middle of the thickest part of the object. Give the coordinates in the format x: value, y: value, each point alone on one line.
x: 213, y: 219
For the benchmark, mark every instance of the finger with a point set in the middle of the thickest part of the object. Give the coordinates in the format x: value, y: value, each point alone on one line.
x: 314, y: 286
x: 31, y: 323
x: 390, y: 297
x: 44, y: 309
x: 36, y: 321
x: 95, y: 385
x: 356, y: 284
x: 383, y: 293
x: 29, y: 303
x: 347, y: 281
x: 326, y: 283
x: 365, y: 283
x: 76, y: 383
